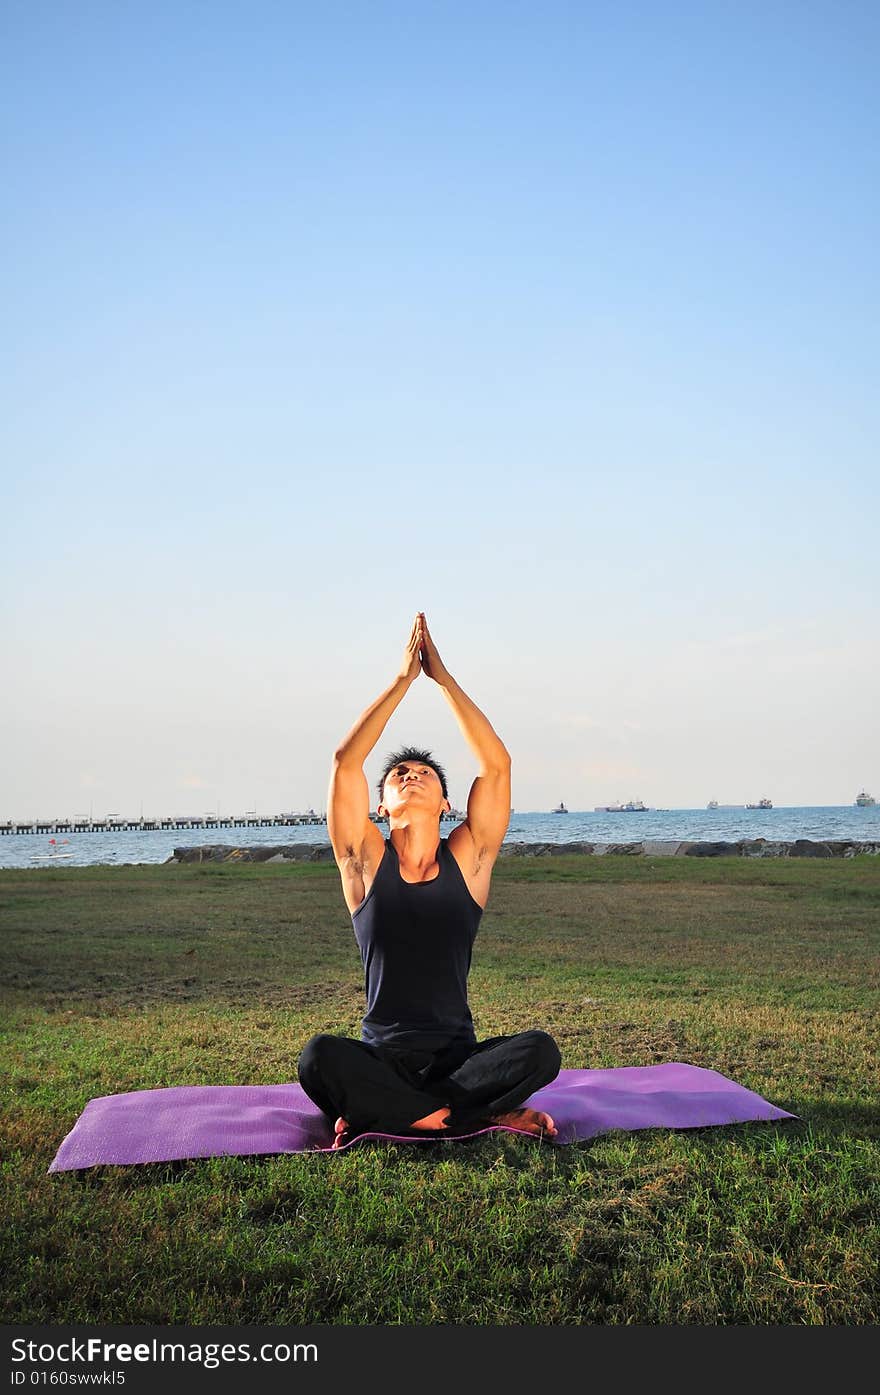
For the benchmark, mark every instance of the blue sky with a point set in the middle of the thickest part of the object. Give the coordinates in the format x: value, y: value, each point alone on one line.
x: 559, y: 322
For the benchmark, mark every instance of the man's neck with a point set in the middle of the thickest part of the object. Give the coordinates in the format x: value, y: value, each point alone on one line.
x: 415, y: 843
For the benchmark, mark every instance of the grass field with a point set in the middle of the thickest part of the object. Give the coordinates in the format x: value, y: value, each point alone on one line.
x: 135, y: 977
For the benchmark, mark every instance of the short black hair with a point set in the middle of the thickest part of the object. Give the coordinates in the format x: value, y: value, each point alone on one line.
x: 414, y: 754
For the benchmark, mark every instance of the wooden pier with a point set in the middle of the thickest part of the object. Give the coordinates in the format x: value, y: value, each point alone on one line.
x: 114, y: 825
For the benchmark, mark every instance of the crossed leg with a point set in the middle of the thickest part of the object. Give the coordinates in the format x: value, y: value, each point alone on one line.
x: 356, y: 1083
x: 500, y: 1074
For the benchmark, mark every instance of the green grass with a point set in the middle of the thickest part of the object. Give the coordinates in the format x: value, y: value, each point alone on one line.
x: 135, y: 977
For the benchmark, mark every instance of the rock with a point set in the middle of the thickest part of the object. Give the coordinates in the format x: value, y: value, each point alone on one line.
x: 543, y: 849
x: 752, y: 847
x: 712, y: 850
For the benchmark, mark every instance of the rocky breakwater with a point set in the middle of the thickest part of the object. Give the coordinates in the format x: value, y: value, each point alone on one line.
x: 284, y: 852
x: 746, y: 847
x: 651, y: 847
x: 797, y: 847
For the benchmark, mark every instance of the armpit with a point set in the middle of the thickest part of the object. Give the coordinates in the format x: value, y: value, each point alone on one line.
x: 479, y: 857
x: 351, y: 861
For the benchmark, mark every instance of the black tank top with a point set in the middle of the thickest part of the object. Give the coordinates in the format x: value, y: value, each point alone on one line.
x: 415, y: 940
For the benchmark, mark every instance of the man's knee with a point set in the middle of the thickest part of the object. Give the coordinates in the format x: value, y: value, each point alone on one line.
x: 544, y: 1053
x: 317, y: 1056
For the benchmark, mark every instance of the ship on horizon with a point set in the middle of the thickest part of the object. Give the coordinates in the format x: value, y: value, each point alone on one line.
x: 865, y: 800
x: 761, y: 804
x: 632, y: 806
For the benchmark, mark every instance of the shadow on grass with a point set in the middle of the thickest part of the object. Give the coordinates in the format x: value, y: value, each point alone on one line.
x: 135, y: 1176
x: 838, y: 1119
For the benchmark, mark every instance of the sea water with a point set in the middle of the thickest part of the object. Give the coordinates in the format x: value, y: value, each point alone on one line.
x: 833, y: 823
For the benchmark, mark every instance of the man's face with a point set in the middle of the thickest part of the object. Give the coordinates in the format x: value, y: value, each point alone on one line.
x: 412, y: 784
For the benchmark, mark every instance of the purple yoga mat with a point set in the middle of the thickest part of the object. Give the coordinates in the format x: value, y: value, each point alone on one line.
x: 206, y: 1121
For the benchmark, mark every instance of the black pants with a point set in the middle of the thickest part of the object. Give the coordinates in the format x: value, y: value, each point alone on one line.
x: 384, y: 1089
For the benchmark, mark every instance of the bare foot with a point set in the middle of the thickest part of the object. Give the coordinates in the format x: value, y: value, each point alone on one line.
x: 528, y: 1121
x: 437, y: 1120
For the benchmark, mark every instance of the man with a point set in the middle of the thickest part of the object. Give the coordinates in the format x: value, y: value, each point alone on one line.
x: 416, y: 901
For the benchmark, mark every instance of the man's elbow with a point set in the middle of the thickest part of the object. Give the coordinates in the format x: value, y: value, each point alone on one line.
x: 498, y: 764
x: 345, y: 759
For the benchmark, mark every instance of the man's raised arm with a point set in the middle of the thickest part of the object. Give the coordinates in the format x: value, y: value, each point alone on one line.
x: 488, y: 811
x: 348, y: 800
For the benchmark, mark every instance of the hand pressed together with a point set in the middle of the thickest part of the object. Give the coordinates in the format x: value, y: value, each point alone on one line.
x: 420, y: 654
x: 410, y: 666
x: 432, y: 664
